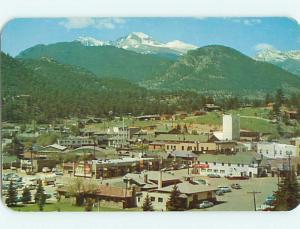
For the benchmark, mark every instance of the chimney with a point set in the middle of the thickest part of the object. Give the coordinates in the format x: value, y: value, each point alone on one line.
x: 146, y: 178
x: 159, y: 181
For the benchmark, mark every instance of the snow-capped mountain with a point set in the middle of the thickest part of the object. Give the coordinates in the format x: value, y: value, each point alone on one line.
x: 90, y: 41
x: 273, y: 55
x: 142, y: 43
x: 289, y: 60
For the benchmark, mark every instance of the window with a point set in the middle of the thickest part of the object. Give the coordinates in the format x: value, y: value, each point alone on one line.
x: 202, y: 148
x: 206, y: 162
x: 229, y: 164
x: 182, y: 147
x: 160, y: 200
x: 238, y: 164
x: 195, y: 148
x: 203, y: 170
x: 207, y: 148
x: 222, y: 171
x: 139, y: 199
x: 242, y: 165
x: 167, y: 147
x: 267, y: 151
x: 209, y: 170
x: 189, y: 148
x: 215, y: 163
x: 222, y: 164
x: 216, y: 170
x: 152, y: 198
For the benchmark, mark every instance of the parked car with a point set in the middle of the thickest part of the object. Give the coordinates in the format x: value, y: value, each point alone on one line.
x: 270, y: 200
x: 213, y: 175
x: 46, y: 170
x: 201, y: 181
x: 206, y: 204
x: 58, y: 173
x: 224, y: 189
x: 236, y: 186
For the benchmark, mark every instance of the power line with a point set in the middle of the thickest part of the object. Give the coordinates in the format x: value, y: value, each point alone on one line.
x: 254, y: 198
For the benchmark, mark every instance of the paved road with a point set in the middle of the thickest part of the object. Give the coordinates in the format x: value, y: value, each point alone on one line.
x: 255, y: 117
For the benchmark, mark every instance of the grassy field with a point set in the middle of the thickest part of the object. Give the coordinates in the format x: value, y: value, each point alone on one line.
x: 64, y: 206
x: 253, y: 119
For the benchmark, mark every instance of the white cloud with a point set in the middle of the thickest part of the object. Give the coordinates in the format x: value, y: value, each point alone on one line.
x: 247, y: 21
x: 99, y: 23
x: 263, y: 46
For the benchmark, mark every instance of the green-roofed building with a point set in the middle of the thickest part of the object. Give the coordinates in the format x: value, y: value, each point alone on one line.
x: 240, y: 164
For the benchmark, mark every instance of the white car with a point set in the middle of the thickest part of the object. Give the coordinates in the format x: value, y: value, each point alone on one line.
x: 224, y: 188
x: 206, y: 204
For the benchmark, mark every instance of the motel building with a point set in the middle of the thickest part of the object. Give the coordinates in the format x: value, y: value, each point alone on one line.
x: 240, y: 164
x: 276, y: 150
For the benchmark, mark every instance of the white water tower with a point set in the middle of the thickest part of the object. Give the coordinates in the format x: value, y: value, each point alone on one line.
x: 231, y: 127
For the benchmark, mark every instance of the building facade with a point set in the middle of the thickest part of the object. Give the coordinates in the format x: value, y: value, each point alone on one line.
x: 276, y: 150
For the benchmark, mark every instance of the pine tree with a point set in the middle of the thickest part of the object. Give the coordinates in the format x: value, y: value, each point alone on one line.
x: 174, y: 203
x: 40, y: 197
x: 287, y: 196
x: 26, y: 195
x: 12, y: 194
x: 147, y: 205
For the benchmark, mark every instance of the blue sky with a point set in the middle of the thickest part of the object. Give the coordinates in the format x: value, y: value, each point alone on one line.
x: 244, y: 34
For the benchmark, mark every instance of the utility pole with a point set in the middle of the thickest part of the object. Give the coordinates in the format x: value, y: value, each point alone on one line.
x: 254, y: 198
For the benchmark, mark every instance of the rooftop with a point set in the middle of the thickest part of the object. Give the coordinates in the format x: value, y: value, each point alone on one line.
x: 239, y: 158
x: 188, y: 188
x: 182, y: 137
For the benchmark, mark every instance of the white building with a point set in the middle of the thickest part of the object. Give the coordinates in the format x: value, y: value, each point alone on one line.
x: 240, y: 164
x: 276, y: 150
x: 231, y: 127
x: 75, y: 142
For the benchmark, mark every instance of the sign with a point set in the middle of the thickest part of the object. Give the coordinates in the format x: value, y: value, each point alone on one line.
x: 84, y: 170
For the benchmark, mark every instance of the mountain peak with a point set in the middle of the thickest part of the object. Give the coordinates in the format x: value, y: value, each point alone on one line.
x: 90, y: 41
x: 274, y: 55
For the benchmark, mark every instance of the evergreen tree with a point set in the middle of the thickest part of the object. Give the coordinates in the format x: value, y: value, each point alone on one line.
x: 174, y: 203
x: 185, y: 129
x: 89, y: 205
x: 12, y: 194
x: 147, y: 205
x: 40, y: 197
x: 287, y: 196
x: 26, y: 195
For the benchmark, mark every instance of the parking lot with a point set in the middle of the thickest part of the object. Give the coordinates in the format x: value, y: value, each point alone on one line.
x: 241, y: 200
x: 237, y: 200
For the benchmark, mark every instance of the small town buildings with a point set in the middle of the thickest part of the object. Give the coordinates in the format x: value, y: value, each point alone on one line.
x: 296, y: 142
x: 109, y: 196
x: 240, y: 164
x: 156, y: 146
x: 185, y: 155
x: 276, y: 150
x: 212, y: 107
x: 190, y: 194
x: 46, y: 152
x: 148, y: 117
x: 148, y: 180
x: 118, y: 167
x: 249, y: 136
x: 291, y: 114
x: 75, y: 142
x: 166, y: 130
